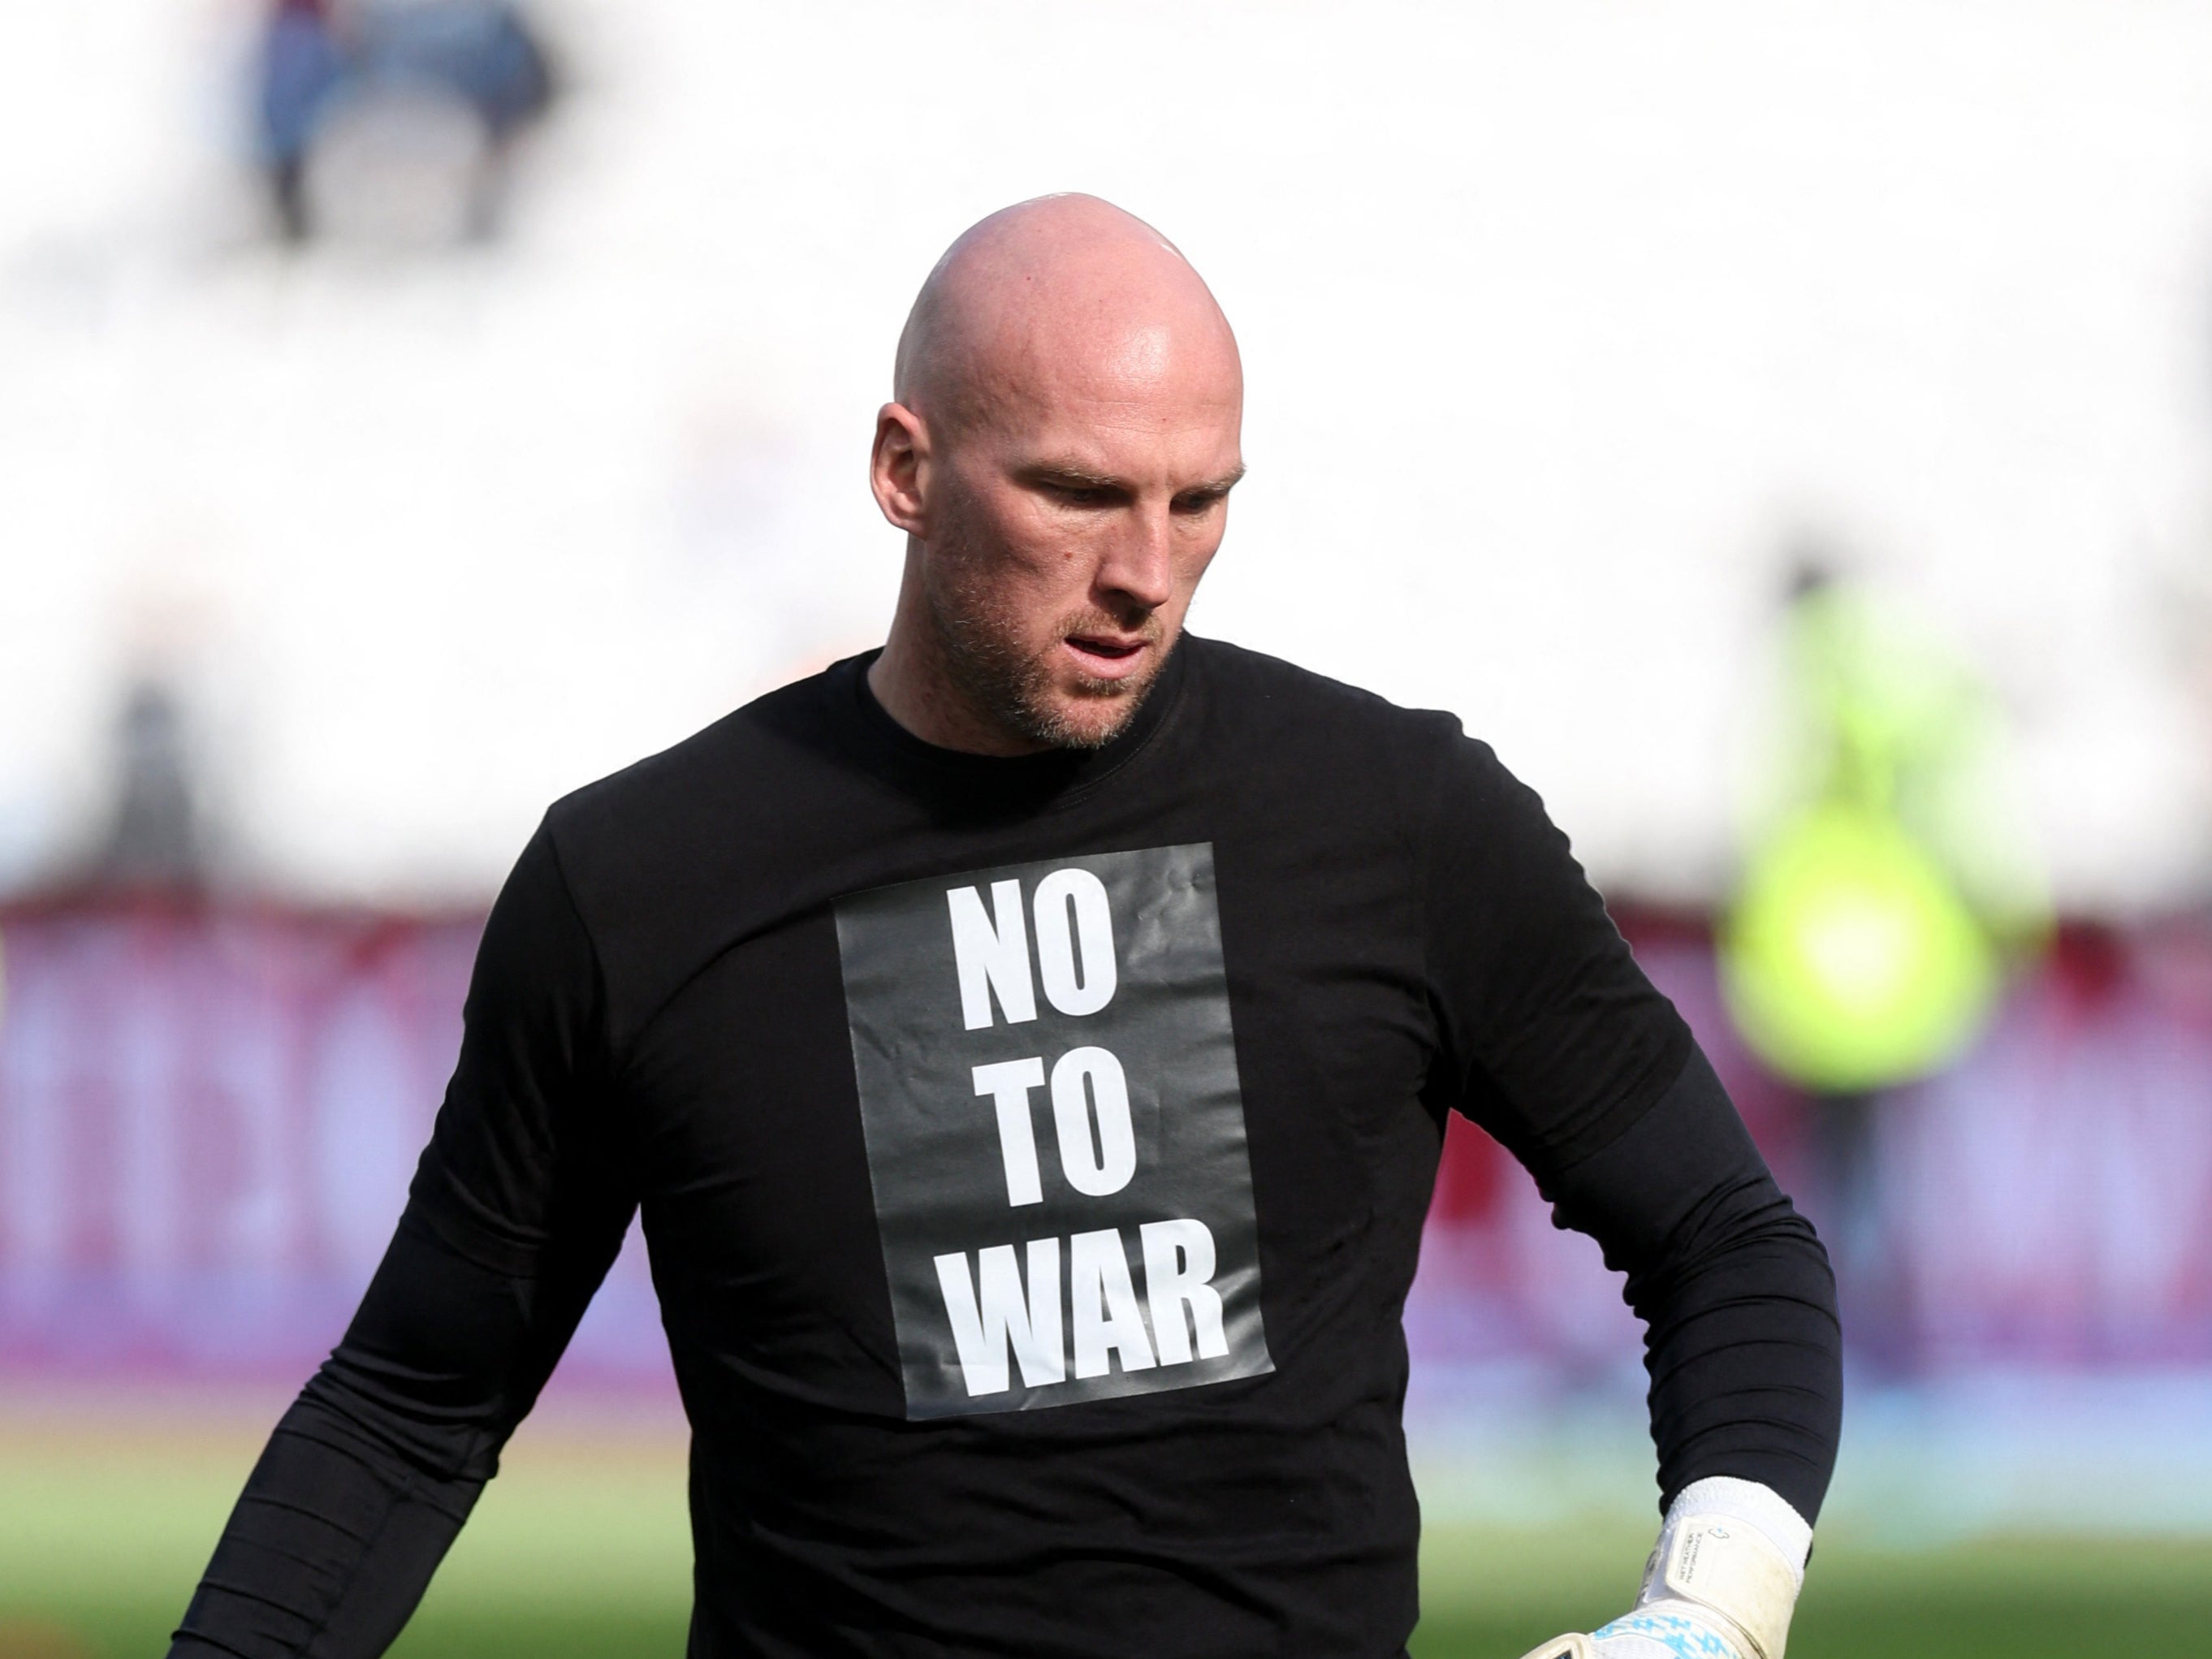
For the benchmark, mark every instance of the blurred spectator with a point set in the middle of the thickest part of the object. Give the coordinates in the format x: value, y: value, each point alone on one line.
x: 157, y: 836
x: 1887, y: 882
x: 392, y: 120
x: 302, y: 64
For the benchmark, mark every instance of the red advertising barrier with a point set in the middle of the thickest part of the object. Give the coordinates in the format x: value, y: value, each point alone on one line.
x: 208, y: 1115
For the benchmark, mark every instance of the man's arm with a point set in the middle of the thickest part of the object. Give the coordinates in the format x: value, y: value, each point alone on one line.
x: 1564, y: 1052
x: 516, y: 1211
x: 1738, y: 1302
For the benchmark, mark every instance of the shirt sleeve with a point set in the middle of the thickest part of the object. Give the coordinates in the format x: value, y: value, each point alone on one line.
x: 1741, y: 1340
x: 517, y: 1210
x: 1556, y: 1041
x: 1564, y: 1051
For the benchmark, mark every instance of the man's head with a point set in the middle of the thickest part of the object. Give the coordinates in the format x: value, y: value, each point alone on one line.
x: 1060, y: 451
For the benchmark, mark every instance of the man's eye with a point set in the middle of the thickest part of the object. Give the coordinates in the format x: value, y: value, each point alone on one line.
x: 1195, y: 505
x: 1079, y: 495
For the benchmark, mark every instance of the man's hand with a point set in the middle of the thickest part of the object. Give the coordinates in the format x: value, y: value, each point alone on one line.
x: 1666, y: 1629
x: 1721, y: 1583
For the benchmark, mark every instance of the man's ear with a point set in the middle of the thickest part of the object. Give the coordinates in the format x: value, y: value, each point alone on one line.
x: 898, y: 468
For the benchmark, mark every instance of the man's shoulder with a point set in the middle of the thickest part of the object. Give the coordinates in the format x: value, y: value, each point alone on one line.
x: 728, y: 813
x: 740, y: 763
x: 671, y: 858
x: 1269, y: 698
x: 1303, y: 736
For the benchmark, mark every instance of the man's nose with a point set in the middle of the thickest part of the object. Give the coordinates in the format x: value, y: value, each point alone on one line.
x: 1140, y: 563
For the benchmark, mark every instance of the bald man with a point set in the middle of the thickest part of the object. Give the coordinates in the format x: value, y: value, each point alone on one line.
x: 1028, y: 1048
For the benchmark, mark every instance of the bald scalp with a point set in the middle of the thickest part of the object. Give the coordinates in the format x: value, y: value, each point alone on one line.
x: 1038, y: 292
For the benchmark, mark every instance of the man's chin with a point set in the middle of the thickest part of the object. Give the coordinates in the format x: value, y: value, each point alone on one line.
x: 1087, y: 712
x: 1084, y: 722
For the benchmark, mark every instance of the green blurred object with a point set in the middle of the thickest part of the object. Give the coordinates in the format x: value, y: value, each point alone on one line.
x: 2024, y: 1598
x: 2029, y: 1618
x: 579, y: 1551
x: 1849, y: 962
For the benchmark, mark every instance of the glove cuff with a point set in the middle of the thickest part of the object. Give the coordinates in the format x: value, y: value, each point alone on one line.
x: 1736, y: 1548
x: 1749, y: 1501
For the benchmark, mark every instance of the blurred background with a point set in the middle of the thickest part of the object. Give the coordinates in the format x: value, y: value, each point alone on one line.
x: 1784, y: 431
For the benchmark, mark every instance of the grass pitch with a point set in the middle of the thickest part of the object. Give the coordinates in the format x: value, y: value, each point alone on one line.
x: 580, y: 1549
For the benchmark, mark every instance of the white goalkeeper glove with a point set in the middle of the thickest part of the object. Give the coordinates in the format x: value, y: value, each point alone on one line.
x: 1721, y: 1583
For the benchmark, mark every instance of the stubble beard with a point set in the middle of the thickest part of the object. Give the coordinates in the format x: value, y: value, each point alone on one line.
x: 984, y: 656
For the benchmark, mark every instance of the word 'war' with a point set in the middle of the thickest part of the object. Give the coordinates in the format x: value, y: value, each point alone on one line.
x: 1086, y: 1321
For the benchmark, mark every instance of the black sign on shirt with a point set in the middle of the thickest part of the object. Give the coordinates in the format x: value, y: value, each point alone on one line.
x: 1056, y: 1133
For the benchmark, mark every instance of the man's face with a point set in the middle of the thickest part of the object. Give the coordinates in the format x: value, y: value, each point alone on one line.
x: 1068, y: 522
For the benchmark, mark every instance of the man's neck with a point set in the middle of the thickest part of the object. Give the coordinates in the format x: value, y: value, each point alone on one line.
x: 915, y: 686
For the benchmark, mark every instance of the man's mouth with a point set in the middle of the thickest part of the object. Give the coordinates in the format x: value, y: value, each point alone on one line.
x: 1104, y: 655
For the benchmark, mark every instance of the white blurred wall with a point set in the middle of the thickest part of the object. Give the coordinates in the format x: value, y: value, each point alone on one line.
x: 1558, y: 318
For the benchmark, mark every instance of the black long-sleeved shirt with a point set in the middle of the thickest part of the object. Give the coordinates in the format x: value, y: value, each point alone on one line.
x: 1032, y: 1155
